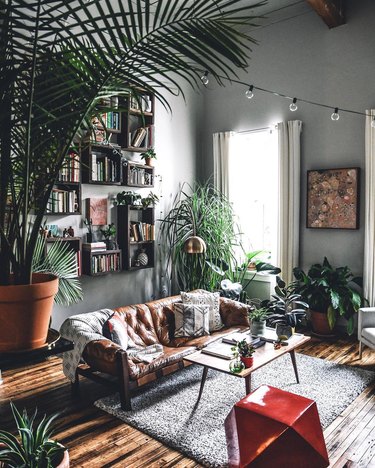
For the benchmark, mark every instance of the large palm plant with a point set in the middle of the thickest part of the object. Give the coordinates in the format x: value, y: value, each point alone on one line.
x: 58, y: 57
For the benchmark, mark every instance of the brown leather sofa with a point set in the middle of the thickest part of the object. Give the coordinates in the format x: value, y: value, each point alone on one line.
x: 148, y: 324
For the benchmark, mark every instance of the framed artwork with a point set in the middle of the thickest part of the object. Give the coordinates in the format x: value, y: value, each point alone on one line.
x: 96, y: 211
x: 333, y: 198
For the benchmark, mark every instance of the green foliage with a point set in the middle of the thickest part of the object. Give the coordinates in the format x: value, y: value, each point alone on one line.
x: 128, y: 198
x: 330, y: 290
x: 33, y: 448
x: 259, y: 315
x: 109, y: 231
x: 286, y: 306
x: 206, y: 212
x: 243, y: 349
x: 150, y: 153
x: 68, y: 55
x: 61, y: 261
x: 151, y: 200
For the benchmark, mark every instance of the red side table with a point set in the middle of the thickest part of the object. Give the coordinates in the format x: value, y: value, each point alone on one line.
x: 271, y: 427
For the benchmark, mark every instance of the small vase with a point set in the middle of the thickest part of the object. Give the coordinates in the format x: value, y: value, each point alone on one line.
x: 142, y: 258
x: 248, y: 361
x: 236, y: 366
x: 258, y: 328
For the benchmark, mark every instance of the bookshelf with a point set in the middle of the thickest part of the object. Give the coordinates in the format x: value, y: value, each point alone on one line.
x: 136, y: 231
x: 137, y: 175
x: 101, y: 263
x: 137, y: 133
x: 75, y: 244
x: 101, y: 164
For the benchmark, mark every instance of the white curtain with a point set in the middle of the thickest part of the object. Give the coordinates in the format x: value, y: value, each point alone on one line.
x: 222, y: 143
x: 289, y: 197
x: 369, y: 260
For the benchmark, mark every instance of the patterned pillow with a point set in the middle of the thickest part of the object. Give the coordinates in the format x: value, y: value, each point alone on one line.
x: 115, y: 329
x: 205, y: 297
x: 191, y: 320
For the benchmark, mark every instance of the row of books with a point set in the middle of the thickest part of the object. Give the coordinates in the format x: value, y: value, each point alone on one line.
x: 105, y: 263
x: 70, y: 171
x: 62, y: 201
x: 142, y: 137
x: 142, y: 231
x: 139, y: 176
x: 111, y: 120
x: 104, y: 169
x: 141, y: 103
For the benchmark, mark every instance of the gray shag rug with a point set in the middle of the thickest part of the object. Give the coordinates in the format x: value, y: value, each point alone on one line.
x: 166, y: 410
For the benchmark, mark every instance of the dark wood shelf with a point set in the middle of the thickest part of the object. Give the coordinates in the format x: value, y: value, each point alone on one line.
x: 136, y: 174
x: 89, y: 268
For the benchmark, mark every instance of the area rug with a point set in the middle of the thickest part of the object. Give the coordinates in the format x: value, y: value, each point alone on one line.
x: 166, y: 410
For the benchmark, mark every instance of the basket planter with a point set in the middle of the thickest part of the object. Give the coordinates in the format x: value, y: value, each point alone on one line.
x: 25, y: 313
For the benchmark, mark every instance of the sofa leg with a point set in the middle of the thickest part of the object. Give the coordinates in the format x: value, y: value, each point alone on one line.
x: 360, y: 349
x: 123, y: 380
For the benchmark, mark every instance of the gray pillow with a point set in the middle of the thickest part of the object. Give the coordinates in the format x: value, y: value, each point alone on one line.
x: 205, y: 297
x: 191, y: 320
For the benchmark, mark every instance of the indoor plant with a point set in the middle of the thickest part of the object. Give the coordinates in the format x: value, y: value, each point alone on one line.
x: 151, y: 200
x: 245, y: 351
x: 330, y: 292
x: 148, y: 156
x: 257, y: 319
x: 53, y: 81
x: 109, y: 232
x: 128, y: 198
x: 287, y: 309
x: 33, y: 448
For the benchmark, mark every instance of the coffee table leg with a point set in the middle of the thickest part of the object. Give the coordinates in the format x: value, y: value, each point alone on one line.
x: 248, y: 384
x: 294, y: 362
x: 204, y: 376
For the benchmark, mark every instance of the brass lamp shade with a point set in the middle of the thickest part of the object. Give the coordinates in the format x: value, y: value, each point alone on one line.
x: 195, y: 245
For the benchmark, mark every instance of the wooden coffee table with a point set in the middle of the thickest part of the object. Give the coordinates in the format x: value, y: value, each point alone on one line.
x: 263, y: 355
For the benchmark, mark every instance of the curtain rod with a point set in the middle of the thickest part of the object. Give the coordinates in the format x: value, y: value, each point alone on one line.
x: 255, y: 130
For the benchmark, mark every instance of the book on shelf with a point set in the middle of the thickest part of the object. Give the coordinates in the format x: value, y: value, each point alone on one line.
x: 138, y: 137
x: 219, y: 349
x: 94, y: 246
x: 62, y: 201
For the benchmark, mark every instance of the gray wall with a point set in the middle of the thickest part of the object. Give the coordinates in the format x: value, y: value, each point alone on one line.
x: 175, y: 145
x: 302, y: 57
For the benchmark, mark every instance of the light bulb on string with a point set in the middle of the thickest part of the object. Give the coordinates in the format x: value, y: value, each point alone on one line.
x: 204, y: 78
x: 335, y: 115
x: 249, y: 92
x: 293, y: 106
x: 373, y: 122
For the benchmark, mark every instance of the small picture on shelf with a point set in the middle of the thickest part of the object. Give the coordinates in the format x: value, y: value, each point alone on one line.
x: 96, y: 211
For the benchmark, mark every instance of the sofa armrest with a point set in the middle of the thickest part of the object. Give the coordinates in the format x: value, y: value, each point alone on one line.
x: 366, y: 318
x: 102, y: 355
x: 234, y: 313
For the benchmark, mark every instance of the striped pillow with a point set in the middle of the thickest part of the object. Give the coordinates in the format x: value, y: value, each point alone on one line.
x: 191, y: 320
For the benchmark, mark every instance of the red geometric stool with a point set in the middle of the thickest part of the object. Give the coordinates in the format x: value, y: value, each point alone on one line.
x: 271, y: 427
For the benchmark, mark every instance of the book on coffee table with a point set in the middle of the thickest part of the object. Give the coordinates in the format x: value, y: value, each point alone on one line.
x: 234, y: 338
x: 219, y: 349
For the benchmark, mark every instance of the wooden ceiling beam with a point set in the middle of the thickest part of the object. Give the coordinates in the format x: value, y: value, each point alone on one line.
x: 331, y: 11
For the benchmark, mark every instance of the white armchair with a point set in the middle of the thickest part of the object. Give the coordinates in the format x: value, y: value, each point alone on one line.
x: 366, y: 328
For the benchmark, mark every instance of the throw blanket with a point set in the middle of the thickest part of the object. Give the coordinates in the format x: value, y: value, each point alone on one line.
x: 81, y: 329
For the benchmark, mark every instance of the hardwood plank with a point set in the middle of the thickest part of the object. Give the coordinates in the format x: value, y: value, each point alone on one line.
x: 96, y: 439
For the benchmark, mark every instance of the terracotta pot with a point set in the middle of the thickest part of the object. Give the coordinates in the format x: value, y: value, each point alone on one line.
x: 248, y: 361
x: 319, y: 322
x: 25, y: 312
x: 148, y: 161
x: 65, y: 461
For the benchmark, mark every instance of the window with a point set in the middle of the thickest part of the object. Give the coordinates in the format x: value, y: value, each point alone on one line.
x: 253, y: 188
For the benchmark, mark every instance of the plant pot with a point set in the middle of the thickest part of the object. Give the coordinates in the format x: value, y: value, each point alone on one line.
x: 248, y: 361
x: 25, y: 313
x: 148, y: 161
x: 65, y: 461
x: 283, y: 331
x: 258, y: 328
x: 319, y: 323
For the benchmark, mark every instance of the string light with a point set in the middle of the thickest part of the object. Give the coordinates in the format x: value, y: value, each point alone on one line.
x: 335, y: 115
x: 204, y: 78
x: 249, y: 92
x: 293, y: 107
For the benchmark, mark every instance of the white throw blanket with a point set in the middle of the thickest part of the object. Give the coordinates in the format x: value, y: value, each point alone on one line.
x: 83, y: 328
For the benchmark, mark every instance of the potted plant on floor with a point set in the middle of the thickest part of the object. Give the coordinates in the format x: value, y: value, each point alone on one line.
x: 146, y: 46
x: 33, y: 447
x: 287, y: 309
x: 244, y: 350
x: 331, y: 293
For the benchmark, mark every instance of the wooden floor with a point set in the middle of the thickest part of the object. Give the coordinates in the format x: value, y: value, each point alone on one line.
x: 96, y: 439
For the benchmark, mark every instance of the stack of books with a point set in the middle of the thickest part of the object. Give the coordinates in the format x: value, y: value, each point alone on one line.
x: 94, y: 247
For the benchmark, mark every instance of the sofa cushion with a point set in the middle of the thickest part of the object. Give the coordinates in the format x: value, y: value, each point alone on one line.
x: 205, y: 297
x: 163, y: 317
x: 234, y: 313
x: 369, y: 334
x: 140, y: 326
x: 191, y: 320
x: 116, y: 330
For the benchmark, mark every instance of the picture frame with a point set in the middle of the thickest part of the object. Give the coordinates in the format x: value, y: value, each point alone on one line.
x: 96, y: 211
x: 333, y: 198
